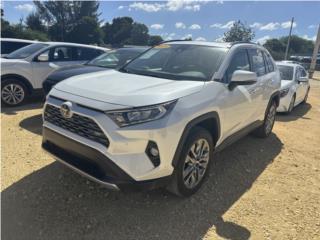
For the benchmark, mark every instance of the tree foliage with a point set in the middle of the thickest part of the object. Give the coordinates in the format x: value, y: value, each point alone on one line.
x: 238, y: 32
x: 34, y: 22
x: 154, y: 40
x: 298, y: 46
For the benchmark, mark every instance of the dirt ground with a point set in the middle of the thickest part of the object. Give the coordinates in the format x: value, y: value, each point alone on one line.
x: 258, y: 189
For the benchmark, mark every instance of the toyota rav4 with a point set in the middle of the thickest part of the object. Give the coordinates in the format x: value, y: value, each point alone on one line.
x: 157, y: 121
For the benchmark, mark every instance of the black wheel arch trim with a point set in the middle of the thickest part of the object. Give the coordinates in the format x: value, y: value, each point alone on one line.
x: 194, y: 122
x: 274, y: 96
x: 18, y: 77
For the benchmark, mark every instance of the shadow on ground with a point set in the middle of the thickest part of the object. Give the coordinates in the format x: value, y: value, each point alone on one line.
x: 298, y: 112
x: 32, y: 124
x: 33, y: 102
x: 56, y: 203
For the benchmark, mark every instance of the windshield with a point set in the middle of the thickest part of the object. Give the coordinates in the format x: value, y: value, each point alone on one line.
x: 115, y: 58
x: 178, y: 62
x: 286, y: 72
x: 26, y: 51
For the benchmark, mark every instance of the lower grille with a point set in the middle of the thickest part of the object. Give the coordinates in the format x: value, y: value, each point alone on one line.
x: 80, y: 125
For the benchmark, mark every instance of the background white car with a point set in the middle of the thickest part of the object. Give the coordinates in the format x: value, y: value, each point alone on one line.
x: 24, y: 70
x: 294, y: 86
x: 9, y: 45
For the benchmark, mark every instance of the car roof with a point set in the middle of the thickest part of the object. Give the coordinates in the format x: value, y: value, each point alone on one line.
x: 76, y: 45
x: 213, y: 44
x: 19, y: 40
x: 283, y: 63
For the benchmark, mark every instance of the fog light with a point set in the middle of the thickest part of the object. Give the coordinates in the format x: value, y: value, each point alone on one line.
x: 152, y: 152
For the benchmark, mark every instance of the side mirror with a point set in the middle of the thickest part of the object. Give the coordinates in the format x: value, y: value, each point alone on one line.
x: 303, y: 79
x: 242, y: 77
x: 43, y: 58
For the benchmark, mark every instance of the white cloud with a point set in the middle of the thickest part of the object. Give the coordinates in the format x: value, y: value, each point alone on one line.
x: 201, y: 39
x: 219, y: 39
x: 171, y: 5
x: 157, y: 26
x: 312, y: 26
x: 120, y: 7
x: 288, y: 24
x: 26, y: 7
x: 309, y: 38
x: 270, y: 26
x: 147, y: 7
x: 195, y: 27
x: 263, y: 39
x: 187, y: 36
x: 167, y: 36
x: 227, y: 25
x: 180, y: 25
x: 256, y: 25
x: 219, y: 2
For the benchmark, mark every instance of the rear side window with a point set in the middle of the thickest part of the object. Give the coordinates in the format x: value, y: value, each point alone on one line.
x: 81, y: 53
x: 240, y: 61
x: 303, y: 72
x: 61, y: 54
x: 270, y: 66
x: 9, y: 47
x: 257, y: 61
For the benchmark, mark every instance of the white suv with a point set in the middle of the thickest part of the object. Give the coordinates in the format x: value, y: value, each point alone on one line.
x: 158, y: 120
x: 24, y: 70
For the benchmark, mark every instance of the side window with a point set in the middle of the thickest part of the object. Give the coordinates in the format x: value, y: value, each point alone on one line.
x: 9, y: 47
x: 303, y: 72
x: 240, y: 61
x: 60, y: 54
x: 298, y: 73
x: 257, y: 61
x: 269, y: 62
x: 81, y: 53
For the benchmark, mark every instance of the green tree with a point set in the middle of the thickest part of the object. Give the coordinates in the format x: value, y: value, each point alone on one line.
x: 238, y: 32
x: 119, y: 31
x: 154, y: 40
x: 298, y: 46
x: 34, y: 22
x: 86, y: 31
x: 139, y: 34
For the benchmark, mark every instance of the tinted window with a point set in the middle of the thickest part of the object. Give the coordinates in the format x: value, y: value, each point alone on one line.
x: 115, y: 58
x: 9, y: 47
x: 240, y: 61
x: 178, y: 62
x: 286, y: 72
x: 269, y: 62
x: 303, y: 72
x: 257, y: 61
x: 60, y: 54
x: 81, y: 53
x: 26, y: 51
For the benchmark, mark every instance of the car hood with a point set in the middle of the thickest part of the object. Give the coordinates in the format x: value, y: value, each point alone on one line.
x: 69, y: 71
x: 127, y: 89
x: 286, y: 83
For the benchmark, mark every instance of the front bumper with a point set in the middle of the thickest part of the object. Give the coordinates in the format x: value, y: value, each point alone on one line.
x: 93, y: 164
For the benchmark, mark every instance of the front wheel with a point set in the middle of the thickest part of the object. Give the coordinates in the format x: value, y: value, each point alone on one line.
x: 306, y: 96
x: 193, y: 164
x: 266, y: 128
x: 291, y: 105
x: 13, y: 92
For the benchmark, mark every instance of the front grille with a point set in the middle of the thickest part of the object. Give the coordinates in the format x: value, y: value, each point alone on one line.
x: 80, y: 125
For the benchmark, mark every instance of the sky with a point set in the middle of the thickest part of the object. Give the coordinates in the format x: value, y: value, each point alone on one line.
x: 202, y: 19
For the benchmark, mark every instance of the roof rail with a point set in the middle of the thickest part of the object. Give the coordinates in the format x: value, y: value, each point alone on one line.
x: 177, y: 40
x: 239, y: 42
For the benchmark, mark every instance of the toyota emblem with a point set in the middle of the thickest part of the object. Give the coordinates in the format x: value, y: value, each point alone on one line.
x: 65, y: 110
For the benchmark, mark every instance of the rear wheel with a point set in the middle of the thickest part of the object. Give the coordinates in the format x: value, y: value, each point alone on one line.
x: 266, y: 128
x: 306, y: 96
x: 193, y: 164
x: 291, y: 104
x: 13, y: 92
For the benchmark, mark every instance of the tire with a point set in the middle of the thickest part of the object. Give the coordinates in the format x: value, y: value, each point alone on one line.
x: 266, y: 128
x: 291, y: 105
x: 13, y: 93
x: 306, y: 96
x: 182, y: 183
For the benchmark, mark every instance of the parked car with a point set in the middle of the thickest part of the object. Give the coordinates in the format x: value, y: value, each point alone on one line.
x: 157, y: 121
x: 111, y: 60
x: 9, y: 45
x: 294, y: 86
x: 24, y: 70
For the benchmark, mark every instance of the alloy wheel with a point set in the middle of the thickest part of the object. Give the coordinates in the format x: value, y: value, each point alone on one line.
x: 12, y: 94
x: 196, y: 163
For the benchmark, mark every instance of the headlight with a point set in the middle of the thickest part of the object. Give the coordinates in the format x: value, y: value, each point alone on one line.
x: 141, y: 114
x: 284, y: 92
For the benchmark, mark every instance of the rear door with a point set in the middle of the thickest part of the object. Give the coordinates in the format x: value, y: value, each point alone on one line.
x: 301, y: 86
x: 242, y: 100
